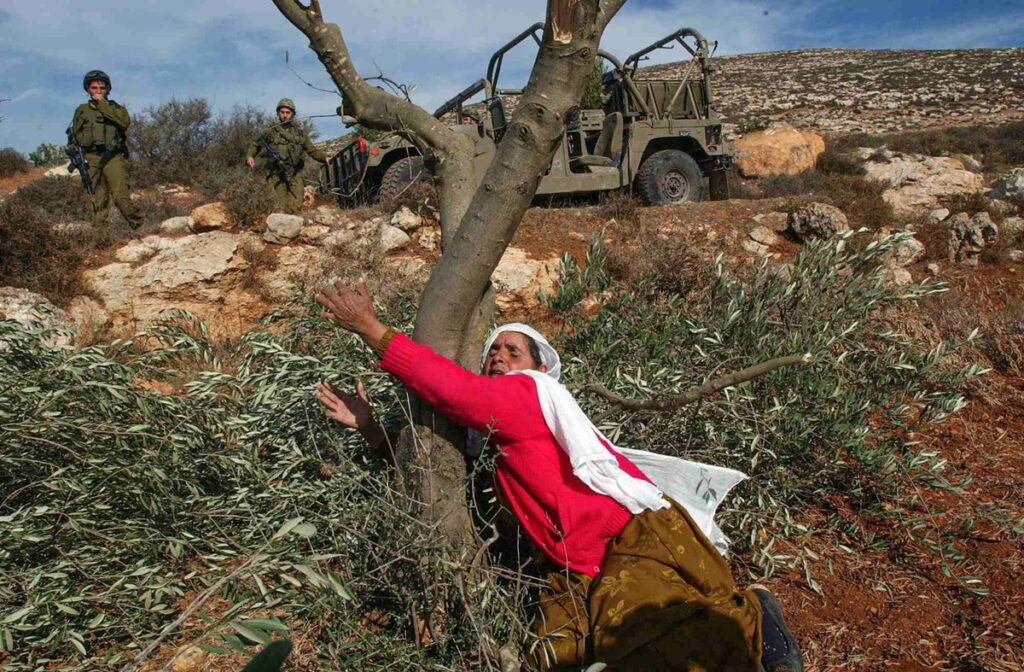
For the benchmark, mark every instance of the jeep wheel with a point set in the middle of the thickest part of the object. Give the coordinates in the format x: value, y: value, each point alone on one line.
x: 399, y: 176
x: 669, y: 176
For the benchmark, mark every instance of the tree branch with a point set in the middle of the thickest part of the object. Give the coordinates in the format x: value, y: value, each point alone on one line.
x: 673, y: 402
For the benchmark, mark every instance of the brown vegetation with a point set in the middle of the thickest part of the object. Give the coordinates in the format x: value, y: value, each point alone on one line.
x: 12, y: 162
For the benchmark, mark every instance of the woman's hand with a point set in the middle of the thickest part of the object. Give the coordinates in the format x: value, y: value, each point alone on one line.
x: 352, y: 411
x: 352, y: 311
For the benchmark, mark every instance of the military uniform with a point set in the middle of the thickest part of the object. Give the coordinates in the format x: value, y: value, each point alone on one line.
x: 291, y: 144
x: 100, y: 127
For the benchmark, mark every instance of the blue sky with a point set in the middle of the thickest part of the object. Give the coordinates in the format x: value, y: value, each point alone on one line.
x: 233, y: 51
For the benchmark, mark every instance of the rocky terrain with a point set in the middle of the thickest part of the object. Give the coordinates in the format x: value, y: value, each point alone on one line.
x: 845, y: 91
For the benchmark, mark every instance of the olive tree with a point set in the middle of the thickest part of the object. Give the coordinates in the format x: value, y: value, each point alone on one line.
x: 478, y: 217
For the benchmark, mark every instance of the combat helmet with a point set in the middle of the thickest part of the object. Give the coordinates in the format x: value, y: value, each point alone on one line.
x: 94, y: 75
x: 286, y: 102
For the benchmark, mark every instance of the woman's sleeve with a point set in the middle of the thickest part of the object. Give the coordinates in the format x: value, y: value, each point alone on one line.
x: 505, y: 404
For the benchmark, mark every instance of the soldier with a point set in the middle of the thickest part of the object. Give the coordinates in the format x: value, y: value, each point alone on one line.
x: 284, y: 147
x: 100, y: 127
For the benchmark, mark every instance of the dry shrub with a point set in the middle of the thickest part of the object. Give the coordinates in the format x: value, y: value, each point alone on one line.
x: 622, y: 206
x: 665, y: 262
x: 420, y: 197
x: 12, y: 162
x: 832, y: 162
x: 858, y: 197
x: 260, y: 259
x: 935, y: 238
x: 246, y: 196
x: 39, y: 256
x: 972, y: 204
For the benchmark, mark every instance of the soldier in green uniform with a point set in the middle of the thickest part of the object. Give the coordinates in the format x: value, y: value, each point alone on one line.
x: 100, y: 127
x: 284, y: 147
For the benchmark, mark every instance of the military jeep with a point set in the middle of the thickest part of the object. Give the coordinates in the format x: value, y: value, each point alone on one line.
x: 659, y: 137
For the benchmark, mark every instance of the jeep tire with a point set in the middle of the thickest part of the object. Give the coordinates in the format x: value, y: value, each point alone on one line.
x: 399, y: 176
x: 669, y: 176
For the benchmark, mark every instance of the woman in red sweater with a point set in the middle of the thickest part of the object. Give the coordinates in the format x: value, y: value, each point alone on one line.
x: 636, y: 583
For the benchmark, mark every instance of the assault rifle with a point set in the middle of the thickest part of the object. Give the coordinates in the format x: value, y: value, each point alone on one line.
x: 78, y: 162
x: 273, y: 159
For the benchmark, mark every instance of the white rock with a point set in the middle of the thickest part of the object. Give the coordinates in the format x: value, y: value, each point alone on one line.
x: 406, y: 220
x: 905, y: 252
x: 519, y: 279
x: 213, y: 216
x: 329, y: 216
x: 1012, y: 228
x: 314, y: 235
x: 177, y: 225
x: 898, y: 277
x: 34, y: 310
x: 1010, y: 185
x: 134, y: 252
x: 429, y: 239
x: 391, y: 238
x: 1016, y: 256
x: 933, y: 268
x: 935, y: 216
x: 58, y: 171
x: 340, y: 238
x: 282, y: 228
x: 918, y: 183
x: 764, y: 236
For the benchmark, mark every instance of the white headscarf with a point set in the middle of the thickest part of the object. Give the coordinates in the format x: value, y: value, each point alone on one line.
x: 697, y: 487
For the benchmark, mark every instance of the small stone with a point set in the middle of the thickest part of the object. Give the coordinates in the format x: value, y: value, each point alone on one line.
x: 391, y: 238
x: 134, y: 252
x: 905, y: 252
x: 935, y: 216
x: 282, y: 228
x: 213, y: 216
x: 428, y: 239
x: 177, y: 225
x: 970, y: 163
x: 898, y: 277
x: 933, y: 268
x: 190, y: 659
x: 764, y: 236
x: 1016, y: 256
x: 406, y: 220
x: 340, y: 238
x: 313, y: 235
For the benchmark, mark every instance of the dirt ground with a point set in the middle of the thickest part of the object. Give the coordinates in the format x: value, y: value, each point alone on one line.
x: 9, y: 185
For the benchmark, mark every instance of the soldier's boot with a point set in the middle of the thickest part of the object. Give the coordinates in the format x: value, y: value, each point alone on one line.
x: 115, y: 174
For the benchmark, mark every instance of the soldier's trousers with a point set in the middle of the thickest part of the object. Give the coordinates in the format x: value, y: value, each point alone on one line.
x: 111, y: 185
x: 287, y: 192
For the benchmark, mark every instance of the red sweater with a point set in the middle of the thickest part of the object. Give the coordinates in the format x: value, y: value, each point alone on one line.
x: 568, y: 521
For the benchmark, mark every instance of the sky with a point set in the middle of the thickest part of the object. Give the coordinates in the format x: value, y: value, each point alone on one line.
x: 233, y: 52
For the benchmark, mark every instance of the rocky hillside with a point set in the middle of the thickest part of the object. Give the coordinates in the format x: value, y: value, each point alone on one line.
x: 845, y: 90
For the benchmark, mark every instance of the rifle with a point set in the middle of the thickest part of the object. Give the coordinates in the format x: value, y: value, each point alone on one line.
x: 78, y: 162
x: 273, y: 159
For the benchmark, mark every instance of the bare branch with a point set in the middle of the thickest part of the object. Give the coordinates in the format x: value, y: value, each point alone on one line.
x: 673, y: 402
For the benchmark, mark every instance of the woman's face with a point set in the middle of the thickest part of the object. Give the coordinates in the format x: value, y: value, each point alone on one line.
x: 510, y: 352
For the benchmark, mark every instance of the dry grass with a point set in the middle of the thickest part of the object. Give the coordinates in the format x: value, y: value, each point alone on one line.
x: 12, y: 162
x: 860, y: 198
x: 622, y: 206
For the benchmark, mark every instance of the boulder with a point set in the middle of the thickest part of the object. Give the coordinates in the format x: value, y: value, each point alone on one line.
x: 969, y: 236
x: 904, y: 252
x: 177, y: 225
x: 776, y: 221
x: 519, y: 279
x: 213, y: 216
x: 1012, y: 229
x: 760, y: 241
x: 58, y: 171
x: 391, y: 238
x: 328, y: 216
x: 28, y: 309
x: 340, y: 238
x: 314, y: 235
x: 406, y: 220
x: 1009, y: 186
x: 817, y: 220
x: 918, y: 183
x: 781, y: 150
x: 282, y: 228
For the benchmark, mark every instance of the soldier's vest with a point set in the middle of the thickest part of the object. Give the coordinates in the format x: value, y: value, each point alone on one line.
x: 98, y: 134
x: 289, y: 143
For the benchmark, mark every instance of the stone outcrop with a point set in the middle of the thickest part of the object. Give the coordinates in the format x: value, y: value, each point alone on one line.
x: 177, y: 225
x: 520, y: 279
x: 917, y: 184
x: 281, y: 228
x: 1009, y: 186
x: 406, y: 220
x: 817, y: 221
x: 781, y: 150
x: 969, y: 236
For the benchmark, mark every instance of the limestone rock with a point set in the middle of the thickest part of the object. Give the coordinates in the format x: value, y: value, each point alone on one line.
x: 1013, y: 228
x: 58, y: 171
x: 429, y: 239
x: 90, y: 319
x: 904, y: 252
x: 314, y: 235
x: 308, y: 197
x: 134, y: 252
x: 933, y: 268
x: 817, y: 220
x: 918, y: 183
x: 189, y: 659
x: 328, y: 216
x: 406, y: 220
x: 760, y: 241
x: 1009, y: 186
x: 969, y: 236
x: 781, y: 150
x: 935, y: 216
x: 340, y: 238
x: 391, y: 238
x: 519, y: 279
x: 970, y: 163
x: 776, y: 221
x: 1001, y: 208
x: 177, y: 225
x: 213, y: 216
x: 28, y: 308
x: 282, y: 228
x: 897, y: 277
x: 1016, y: 256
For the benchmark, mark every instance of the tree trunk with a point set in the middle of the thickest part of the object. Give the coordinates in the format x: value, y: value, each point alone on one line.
x: 457, y: 306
